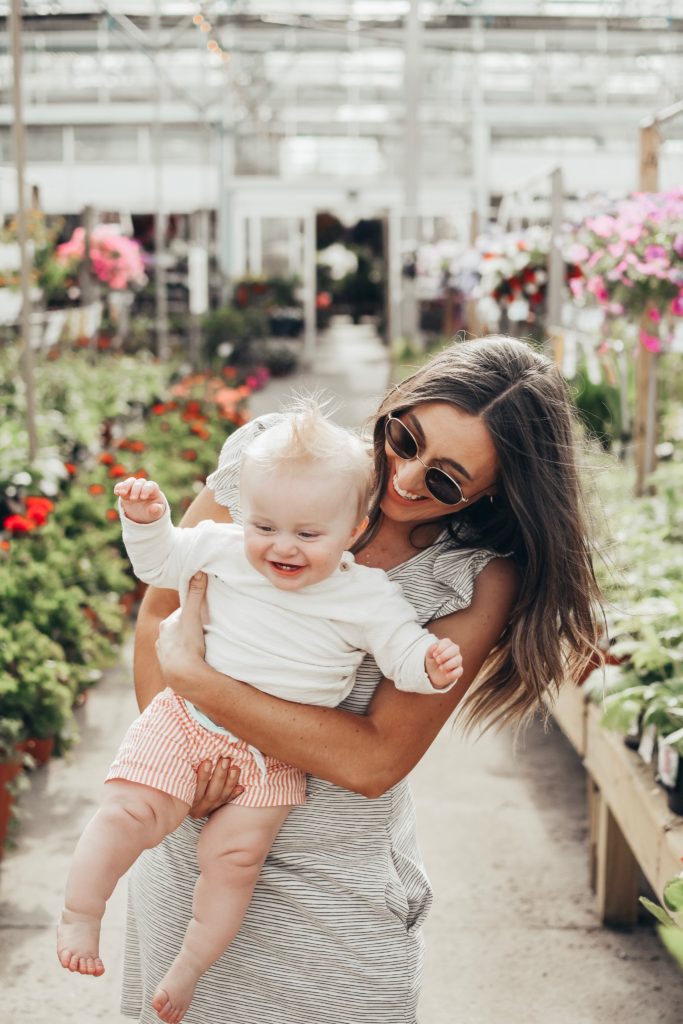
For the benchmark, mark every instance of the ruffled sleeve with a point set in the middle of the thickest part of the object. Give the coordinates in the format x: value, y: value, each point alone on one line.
x: 455, y: 572
x: 225, y: 480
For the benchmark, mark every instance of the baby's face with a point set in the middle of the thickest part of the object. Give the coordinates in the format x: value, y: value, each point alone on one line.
x: 298, y: 522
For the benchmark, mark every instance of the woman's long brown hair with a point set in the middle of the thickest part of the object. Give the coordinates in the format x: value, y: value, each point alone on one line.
x: 537, y: 517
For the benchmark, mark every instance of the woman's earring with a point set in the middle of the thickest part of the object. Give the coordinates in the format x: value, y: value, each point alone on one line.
x: 491, y: 498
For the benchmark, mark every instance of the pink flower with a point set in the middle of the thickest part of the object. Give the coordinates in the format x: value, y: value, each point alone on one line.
x: 596, y: 286
x: 655, y: 252
x: 650, y: 341
x: 677, y: 304
x: 578, y: 252
x: 576, y: 287
x: 654, y: 315
x: 632, y: 233
x: 115, y: 259
x: 602, y: 226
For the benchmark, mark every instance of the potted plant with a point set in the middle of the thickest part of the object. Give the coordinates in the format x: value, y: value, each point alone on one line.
x: 670, y: 767
x: 10, y: 766
x: 671, y: 924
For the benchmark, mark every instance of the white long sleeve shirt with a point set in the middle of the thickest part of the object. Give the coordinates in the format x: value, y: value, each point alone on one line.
x: 303, y: 645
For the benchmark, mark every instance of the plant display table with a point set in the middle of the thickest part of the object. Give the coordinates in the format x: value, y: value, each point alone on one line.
x: 631, y: 828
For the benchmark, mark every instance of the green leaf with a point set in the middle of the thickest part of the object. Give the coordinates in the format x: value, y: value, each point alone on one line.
x: 673, y: 940
x: 673, y: 894
x: 658, y: 912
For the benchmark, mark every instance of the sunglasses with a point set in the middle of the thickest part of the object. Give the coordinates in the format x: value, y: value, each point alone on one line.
x: 439, y: 484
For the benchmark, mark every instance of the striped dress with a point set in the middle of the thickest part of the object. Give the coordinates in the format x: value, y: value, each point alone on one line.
x: 333, y: 931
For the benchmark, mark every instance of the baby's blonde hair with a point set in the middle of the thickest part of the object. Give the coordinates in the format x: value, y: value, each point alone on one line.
x: 306, y: 435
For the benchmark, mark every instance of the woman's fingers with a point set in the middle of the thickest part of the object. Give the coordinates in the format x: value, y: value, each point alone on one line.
x: 193, y: 612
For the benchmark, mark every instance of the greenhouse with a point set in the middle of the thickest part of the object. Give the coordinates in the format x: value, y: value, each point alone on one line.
x: 298, y: 299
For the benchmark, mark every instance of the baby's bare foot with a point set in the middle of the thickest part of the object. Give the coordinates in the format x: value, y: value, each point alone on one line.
x: 78, y: 943
x: 175, y: 992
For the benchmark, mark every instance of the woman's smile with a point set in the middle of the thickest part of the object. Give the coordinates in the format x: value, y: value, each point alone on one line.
x: 403, y: 494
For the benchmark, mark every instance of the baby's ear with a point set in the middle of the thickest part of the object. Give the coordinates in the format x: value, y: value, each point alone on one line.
x: 360, y: 529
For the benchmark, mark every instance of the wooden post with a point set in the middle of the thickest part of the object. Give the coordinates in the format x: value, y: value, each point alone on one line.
x: 645, y: 427
x: 618, y: 874
x: 22, y: 230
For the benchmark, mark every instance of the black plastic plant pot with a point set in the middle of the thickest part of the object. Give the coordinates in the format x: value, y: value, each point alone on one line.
x: 670, y: 772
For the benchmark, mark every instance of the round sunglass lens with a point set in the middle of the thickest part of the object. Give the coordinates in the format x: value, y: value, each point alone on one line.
x: 444, y: 490
x: 400, y: 439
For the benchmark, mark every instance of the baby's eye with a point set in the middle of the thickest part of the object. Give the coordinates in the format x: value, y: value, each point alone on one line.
x: 306, y: 535
x: 263, y: 528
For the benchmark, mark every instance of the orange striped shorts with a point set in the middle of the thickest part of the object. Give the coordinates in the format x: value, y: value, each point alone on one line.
x: 164, y: 747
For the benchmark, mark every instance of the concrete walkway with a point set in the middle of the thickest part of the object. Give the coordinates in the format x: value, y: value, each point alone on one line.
x: 512, y: 939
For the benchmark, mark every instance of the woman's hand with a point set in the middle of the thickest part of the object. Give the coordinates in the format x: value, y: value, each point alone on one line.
x: 180, y: 644
x: 215, y: 787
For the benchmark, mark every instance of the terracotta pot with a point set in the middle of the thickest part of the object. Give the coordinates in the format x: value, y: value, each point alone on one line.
x: 39, y: 749
x: 8, y: 771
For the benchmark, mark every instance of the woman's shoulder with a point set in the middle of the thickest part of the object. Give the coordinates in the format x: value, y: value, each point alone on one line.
x: 450, y: 573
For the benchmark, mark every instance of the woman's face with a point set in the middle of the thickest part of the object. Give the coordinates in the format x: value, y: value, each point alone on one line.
x: 448, y: 439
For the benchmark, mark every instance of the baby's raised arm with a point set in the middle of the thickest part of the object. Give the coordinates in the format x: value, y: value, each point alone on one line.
x: 142, y: 501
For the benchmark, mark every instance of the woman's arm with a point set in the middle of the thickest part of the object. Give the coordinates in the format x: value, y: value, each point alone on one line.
x: 157, y: 604
x: 364, y: 753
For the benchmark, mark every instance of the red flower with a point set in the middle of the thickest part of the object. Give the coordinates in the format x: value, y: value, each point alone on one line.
x: 105, y: 459
x: 189, y: 454
x: 200, y: 431
x: 117, y: 471
x: 4, y: 546
x: 36, y: 501
x: 112, y: 515
x: 193, y: 408
x: 19, y: 524
x: 141, y: 474
x: 159, y: 409
x: 136, y: 446
x: 37, y: 515
x: 70, y: 468
x: 96, y: 489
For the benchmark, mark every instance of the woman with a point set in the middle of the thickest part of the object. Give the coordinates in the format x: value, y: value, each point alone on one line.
x: 477, y: 514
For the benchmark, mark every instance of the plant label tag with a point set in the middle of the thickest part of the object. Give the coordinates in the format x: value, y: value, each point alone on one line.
x: 646, y: 747
x: 667, y: 765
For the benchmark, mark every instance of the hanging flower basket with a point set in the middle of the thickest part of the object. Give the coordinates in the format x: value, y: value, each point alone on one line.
x: 631, y: 262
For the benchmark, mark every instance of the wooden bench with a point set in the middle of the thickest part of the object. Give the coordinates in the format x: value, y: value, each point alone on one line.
x: 630, y: 827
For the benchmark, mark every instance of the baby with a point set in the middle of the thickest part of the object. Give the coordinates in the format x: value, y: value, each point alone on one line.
x: 290, y: 612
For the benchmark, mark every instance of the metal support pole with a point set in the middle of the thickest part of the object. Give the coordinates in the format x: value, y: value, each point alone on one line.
x: 22, y: 230
x: 411, y: 177
x: 161, y: 296
x: 555, y: 259
x: 480, y: 132
x: 309, y: 260
x: 393, y: 264
x: 255, y: 245
x: 198, y: 273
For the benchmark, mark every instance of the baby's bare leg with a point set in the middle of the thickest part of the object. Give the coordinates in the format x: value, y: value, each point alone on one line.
x: 132, y: 818
x: 231, y: 850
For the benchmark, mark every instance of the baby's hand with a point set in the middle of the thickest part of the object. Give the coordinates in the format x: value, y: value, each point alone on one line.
x: 142, y: 501
x: 443, y: 663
